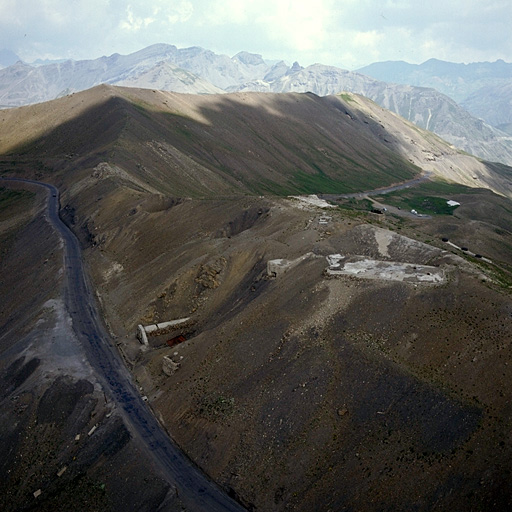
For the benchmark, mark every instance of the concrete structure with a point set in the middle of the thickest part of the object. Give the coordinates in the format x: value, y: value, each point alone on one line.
x: 365, y: 268
x: 277, y: 267
x: 160, y: 328
x: 334, y: 261
x: 141, y: 335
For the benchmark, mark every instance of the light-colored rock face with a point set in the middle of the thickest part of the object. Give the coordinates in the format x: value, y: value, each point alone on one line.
x: 168, y: 77
x: 393, y: 258
x: 390, y: 271
x: 169, y: 366
x: 429, y: 152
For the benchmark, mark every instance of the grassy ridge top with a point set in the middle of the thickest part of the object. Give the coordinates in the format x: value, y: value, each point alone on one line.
x: 208, y: 145
x: 232, y: 144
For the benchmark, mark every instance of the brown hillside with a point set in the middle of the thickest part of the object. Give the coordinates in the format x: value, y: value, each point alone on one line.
x: 295, y: 388
x: 227, y: 144
x: 256, y: 143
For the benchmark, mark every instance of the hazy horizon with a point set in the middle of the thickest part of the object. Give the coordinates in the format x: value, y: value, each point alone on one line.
x: 346, y: 34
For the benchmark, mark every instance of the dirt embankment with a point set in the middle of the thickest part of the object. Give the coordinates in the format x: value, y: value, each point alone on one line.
x: 290, y: 385
x: 63, y: 440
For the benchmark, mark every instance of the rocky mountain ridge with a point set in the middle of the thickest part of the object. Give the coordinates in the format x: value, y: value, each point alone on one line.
x: 199, y: 71
x: 493, y: 103
x: 482, y: 88
x: 458, y: 81
x: 239, y: 142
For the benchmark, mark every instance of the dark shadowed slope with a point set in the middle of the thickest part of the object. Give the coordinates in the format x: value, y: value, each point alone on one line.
x: 228, y: 144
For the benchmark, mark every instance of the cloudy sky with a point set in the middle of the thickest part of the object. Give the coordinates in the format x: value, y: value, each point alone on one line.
x: 344, y: 33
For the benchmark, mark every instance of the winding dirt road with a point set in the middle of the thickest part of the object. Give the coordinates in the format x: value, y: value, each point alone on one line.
x: 381, y: 191
x: 195, y: 489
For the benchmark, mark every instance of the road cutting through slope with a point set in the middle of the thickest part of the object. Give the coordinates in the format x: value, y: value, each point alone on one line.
x: 195, y: 489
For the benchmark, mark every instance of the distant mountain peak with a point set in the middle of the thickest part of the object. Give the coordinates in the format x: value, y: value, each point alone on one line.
x: 296, y: 67
x: 251, y: 59
x: 201, y: 71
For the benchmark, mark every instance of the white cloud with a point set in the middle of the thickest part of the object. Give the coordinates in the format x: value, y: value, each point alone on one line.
x: 180, y: 12
x: 134, y: 23
x: 227, y: 12
x: 296, y: 25
x: 337, y: 32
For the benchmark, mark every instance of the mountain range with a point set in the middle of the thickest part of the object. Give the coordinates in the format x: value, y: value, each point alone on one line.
x: 455, y: 80
x: 482, y: 88
x: 199, y: 71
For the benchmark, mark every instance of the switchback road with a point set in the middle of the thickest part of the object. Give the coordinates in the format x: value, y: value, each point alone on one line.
x: 195, y: 489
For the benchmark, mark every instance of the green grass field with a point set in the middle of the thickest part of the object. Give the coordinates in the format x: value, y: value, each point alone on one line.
x: 430, y: 197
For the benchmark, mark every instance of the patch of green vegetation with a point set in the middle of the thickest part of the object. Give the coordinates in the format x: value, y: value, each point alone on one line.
x: 445, y: 188
x: 318, y: 183
x: 429, y: 197
x: 355, y: 204
x: 355, y: 177
x: 393, y: 167
x: 500, y: 275
x: 432, y: 205
x: 347, y: 97
x: 213, y: 407
x: 9, y: 198
x: 267, y: 186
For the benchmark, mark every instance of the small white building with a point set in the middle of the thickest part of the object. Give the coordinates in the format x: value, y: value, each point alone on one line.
x: 452, y: 203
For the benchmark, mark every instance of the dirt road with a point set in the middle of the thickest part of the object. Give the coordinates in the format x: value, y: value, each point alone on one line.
x: 195, y: 489
x: 380, y: 191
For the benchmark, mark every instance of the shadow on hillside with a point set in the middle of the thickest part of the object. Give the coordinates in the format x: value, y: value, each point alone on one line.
x: 258, y: 143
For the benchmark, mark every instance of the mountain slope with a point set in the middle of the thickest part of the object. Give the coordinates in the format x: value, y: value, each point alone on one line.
x: 244, y: 142
x: 196, y: 70
x: 493, y: 104
x: 168, y: 77
x: 426, y: 108
x: 233, y: 143
x: 22, y: 84
x: 458, y: 81
x: 290, y: 379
